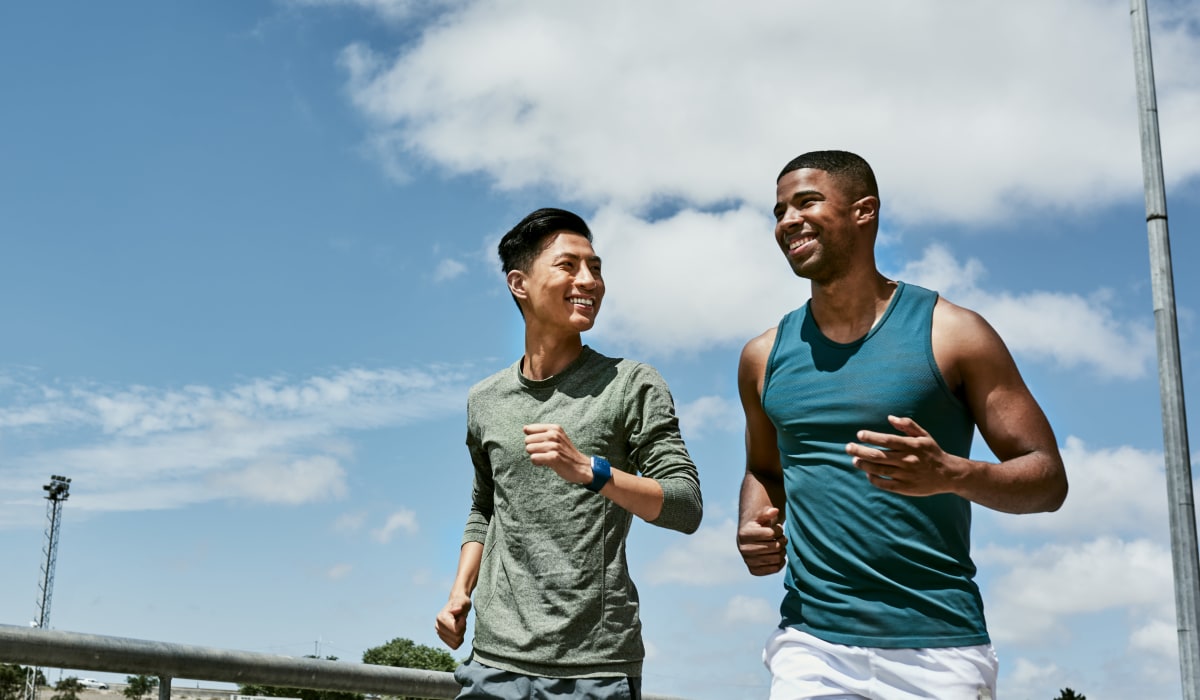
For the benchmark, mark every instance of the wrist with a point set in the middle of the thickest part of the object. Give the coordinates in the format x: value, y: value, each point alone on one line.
x: 601, y: 474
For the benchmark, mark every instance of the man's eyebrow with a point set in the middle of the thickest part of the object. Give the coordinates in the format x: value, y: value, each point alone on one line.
x: 576, y: 256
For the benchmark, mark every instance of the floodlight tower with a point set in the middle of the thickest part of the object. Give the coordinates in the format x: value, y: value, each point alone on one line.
x: 57, y: 491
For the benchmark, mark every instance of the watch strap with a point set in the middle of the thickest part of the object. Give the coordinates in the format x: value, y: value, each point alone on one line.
x: 601, y: 473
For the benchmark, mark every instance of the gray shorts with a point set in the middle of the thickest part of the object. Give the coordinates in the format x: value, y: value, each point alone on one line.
x: 481, y: 682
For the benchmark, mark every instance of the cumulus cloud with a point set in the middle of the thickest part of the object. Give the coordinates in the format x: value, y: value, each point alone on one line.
x: 402, y: 520
x: 709, y: 414
x: 1030, y: 602
x: 1116, y: 491
x: 747, y: 609
x: 708, y: 557
x: 1028, y: 675
x: 268, y: 440
x: 692, y: 280
x: 630, y: 102
x: 1067, y: 329
x: 695, y: 280
x: 1158, y: 637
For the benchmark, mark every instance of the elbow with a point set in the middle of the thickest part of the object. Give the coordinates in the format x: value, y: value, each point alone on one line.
x: 681, y: 513
x: 1059, y: 496
x: 1056, y: 491
x: 692, y: 524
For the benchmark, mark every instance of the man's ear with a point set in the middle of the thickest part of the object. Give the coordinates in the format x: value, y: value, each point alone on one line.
x: 516, y: 284
x: 866, y: 210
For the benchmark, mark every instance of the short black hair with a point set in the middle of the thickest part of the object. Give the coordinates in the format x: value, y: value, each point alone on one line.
x: 521, y: 245
x: 851, y: 171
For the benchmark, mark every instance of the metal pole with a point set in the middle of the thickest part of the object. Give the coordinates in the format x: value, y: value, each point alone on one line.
x: 1181, y: 506
x: 164, y: 688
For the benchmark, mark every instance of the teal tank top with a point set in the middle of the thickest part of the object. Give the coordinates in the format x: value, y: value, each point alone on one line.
x: 867, y: 567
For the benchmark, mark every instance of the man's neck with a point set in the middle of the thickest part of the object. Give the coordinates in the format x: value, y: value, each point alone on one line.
x: 847, y: 308
x: 546, y: 356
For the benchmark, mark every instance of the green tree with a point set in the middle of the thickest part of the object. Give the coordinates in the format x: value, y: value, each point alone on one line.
x: 139, y: 686
x: 275, y: 691
x: 12, y: 681
x: 67, y: 689
x: 1068, y: 694
x: 404, y: 653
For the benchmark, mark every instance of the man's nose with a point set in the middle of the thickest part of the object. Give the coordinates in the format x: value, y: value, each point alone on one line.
x: 790, y: 219
x: 586, y: 278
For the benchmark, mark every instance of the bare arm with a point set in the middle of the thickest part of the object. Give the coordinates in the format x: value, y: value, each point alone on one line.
x: 549, y: 446
x: 761, y: 506
x: 1029, y: 477
x: 451, y: 624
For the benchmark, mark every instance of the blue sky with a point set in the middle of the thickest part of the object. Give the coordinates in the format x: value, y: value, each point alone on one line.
x: 247, y: 275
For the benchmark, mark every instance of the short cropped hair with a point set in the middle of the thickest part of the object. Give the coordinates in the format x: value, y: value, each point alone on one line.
x: 521, y: 245
x: 851, y: 171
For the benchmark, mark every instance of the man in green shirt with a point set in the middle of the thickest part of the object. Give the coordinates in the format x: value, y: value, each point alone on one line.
x: 568, y: 445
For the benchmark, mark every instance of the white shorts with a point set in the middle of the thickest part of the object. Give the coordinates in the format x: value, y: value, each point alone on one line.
x: 803, y: 667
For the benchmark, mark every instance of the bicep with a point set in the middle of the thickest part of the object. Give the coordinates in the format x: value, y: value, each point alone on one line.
x: 1009, y: 418
x: 762, y: 452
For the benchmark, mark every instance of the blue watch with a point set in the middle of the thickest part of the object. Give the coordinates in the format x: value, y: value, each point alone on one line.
x: 601, y: 473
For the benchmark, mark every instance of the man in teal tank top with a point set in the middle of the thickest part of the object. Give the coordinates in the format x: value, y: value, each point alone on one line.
x: 567, y: 446
x: 860, y: 410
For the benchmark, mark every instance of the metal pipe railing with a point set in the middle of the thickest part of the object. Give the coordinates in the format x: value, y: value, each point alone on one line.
x: 91, y: 652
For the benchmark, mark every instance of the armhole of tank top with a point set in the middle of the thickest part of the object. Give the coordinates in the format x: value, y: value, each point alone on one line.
x: 934, y: 369
x: 767, y: 370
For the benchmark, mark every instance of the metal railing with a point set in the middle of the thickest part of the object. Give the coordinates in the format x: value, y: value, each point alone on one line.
x: 91, y: 652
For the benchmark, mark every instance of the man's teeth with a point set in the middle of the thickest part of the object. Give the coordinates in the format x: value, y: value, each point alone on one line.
x: 796, y: 243
x: 581, y: 300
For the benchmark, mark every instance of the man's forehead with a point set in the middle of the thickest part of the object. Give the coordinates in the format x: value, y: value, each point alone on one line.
x: 568, y: 243
x: 803, y: 180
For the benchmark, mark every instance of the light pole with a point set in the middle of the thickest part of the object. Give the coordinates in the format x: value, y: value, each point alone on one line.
x: 1181, y: 506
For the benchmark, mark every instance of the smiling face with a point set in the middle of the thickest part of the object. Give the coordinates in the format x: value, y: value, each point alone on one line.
x: 818, y: 227
x: 562, y: 289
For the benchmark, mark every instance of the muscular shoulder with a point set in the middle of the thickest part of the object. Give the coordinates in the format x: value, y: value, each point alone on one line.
x: 963, y: 340
x: 753, y: 362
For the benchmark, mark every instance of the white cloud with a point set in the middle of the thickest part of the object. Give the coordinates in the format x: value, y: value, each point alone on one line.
x: 301, y: 481
x: 964, y: 111
x: 1158, y: 637
x: 709, y: 414
x: 695, y: 280
x: 628, y: 102
x: 1113, y: 491
x: 706, y: 558
x: 448, y: 269
x: 1068, y: 329
x: 748, y: 609
x: 266, y: 440
x: 1029, y: 603
x: 692, y: 280
x: 1027, y: 675
x: 404, y: 520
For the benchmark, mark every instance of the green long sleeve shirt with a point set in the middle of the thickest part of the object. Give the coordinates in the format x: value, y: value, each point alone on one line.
x: 554, y: 596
